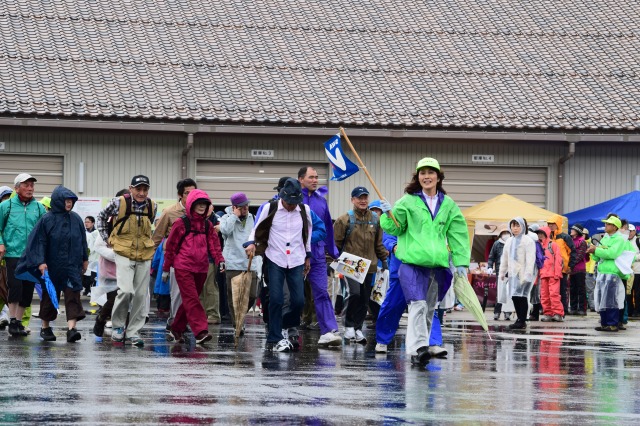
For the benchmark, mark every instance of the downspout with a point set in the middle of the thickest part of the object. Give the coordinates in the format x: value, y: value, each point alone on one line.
x: 567, y: 157
x: 185, y: 154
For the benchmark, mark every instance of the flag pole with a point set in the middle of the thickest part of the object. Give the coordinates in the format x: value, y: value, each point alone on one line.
x: 366, y: 172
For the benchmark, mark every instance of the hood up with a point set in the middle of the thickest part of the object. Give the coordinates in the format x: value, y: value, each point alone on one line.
x: 195, y: 195
x: 59, y: 195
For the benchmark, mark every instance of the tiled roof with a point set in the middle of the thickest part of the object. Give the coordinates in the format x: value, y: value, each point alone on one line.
x: 544, y: 64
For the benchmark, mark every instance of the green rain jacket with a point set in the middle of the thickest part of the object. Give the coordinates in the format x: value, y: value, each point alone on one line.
x: 422, y: 240
x: 611, y: 246
x: 17, y: 219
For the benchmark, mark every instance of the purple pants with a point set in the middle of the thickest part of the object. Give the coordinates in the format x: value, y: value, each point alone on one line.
x: 317, y: 277
x: 415, y: 281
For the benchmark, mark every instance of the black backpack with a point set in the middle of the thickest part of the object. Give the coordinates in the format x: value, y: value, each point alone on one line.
x: 261, y: 245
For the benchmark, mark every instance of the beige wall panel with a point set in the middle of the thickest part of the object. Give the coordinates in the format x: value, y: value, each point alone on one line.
x: 47, y: 169
x: 110, y: 158
x: 599, y: 172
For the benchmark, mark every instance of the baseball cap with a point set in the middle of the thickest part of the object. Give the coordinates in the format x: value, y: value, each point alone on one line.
x: 358, y: 191
x: 239, y: 199
x: 140, y: 180
x: 4, y: 190
x: 632, y: 227
x: 428, y: 162
x: 23, y: 177
x: 613, y: 221
x: 375, y: 204
x: 291, y: 192
x: 281, y: 183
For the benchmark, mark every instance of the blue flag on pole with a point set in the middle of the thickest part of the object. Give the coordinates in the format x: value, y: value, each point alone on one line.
x: 341, y: 165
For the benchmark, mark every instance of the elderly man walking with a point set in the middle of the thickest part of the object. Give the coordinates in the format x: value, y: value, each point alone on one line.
x: 18, y: 217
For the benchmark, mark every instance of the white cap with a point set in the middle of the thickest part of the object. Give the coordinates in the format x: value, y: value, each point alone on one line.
x: 632, y: 227
x: 23, y: 177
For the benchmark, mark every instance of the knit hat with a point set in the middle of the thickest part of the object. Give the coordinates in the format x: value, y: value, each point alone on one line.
x: 578, y: 228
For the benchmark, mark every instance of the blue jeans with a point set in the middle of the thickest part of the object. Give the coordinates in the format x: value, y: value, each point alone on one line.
x: 295, y: 282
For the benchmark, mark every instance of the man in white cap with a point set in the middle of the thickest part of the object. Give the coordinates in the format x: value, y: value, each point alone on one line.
x: 18, y: 216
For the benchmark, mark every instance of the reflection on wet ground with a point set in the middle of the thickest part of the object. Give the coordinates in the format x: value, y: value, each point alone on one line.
x: 559, y: 374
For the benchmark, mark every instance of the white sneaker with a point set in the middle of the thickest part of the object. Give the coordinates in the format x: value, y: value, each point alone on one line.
x: 360, y: 337
x: 349, y: 333
x: 437, y: 351
x: 285, y: 333
x: 109, y: 324
x: 283, y: 346
x: 381, y: 348
x: 330, y: 339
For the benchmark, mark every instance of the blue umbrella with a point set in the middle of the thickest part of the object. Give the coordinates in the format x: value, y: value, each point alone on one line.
x: 33, y: 277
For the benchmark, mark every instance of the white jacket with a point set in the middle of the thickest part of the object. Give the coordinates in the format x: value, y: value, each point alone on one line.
x: 524, y: 266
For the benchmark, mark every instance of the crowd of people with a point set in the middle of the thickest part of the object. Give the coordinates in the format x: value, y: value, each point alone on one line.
x: 190, y: 255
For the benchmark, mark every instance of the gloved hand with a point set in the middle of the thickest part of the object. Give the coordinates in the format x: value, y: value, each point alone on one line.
x: 461, y: 270
x: 385, y: 206
x: 385, y: 265
x: 222, y: 266
x: 489, y: 271
x: 165, y: 277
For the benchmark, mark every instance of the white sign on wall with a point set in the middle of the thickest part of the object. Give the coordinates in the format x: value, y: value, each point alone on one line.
x: 1, y: 146
x: 262, y: 153
x: 482, y: 158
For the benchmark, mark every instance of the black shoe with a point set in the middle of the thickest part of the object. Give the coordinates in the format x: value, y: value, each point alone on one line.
x: 534, y: 318
x: 295, y: 343
x: 13, y: 327
x: 98, y: 328
x: 47, y: 334
x: 422, y: 356
x: 518, y: 325
x: 581, y: 313
x: 73, y: 335
x: 620, y: 326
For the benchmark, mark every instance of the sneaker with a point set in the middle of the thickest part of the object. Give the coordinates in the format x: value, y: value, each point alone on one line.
x: 518, y: 325
x: 14, y: 330
x: 175, y: 336
x: 313, y: 326
x: 135, y: 341
x: 109, y: 324
x: 350, y: 333
x: 381, y: 348
x: 421, y: 357
x: 557, y: 318
x: 546, y: 318
x: 73, y: 335
x: 203, y: 337
x: 612, y: 328
x: 458, y: 308
x: 25, y: 330
x: 437, y: 352
x: 295, y: 342
x: 507, y: 316
x: 496, y: 317
x: 213, y: 320
x: 582, y: 313
x: 621, y: 326
x: 330, y: 339
x: 47, y: 334
x: 98, y: 327
x: 533, y: 317
x: 283, y: 346
x: 117, y: 335
x: 360, y: 337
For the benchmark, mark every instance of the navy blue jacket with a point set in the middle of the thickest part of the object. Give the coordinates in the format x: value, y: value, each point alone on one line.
x: 59, y: 240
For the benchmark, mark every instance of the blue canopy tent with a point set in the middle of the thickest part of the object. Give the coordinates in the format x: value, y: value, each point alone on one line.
x: 626, y: 206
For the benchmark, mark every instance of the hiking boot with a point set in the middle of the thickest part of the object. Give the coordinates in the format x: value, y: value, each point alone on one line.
x: 546, y: 318
x: 14, y: 330
x: 134, y: 341
x: 117, y: 335
x: 73, y: 335
x: 360, y: 337
x: 350, y: 333
x: 98, y: 327
x: 47, y: 334
x: 437, y: 352
x: 381, y: 348
x: 330, y: 339
x: 283, y: 346
x: 203, y: 337
x: 518, y: 325
x: 557, y: 318
x: 422, y: 356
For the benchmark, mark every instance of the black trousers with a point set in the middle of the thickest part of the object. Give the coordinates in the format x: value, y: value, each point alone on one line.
x: 357, y: 302
x: 522, y: 307
x: 564, y: 283
x: 578, y: 292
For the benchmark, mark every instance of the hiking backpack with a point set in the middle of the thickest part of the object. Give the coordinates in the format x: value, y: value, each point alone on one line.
x: 353, y: 222
x: 188, y: 230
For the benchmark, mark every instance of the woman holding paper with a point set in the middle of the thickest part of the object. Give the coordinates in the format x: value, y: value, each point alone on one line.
x: 432, y: 234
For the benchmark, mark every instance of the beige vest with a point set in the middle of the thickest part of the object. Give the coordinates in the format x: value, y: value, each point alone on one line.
x: 131, y: 234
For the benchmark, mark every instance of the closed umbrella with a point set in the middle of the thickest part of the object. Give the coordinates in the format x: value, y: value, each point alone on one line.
x: 33, y: 276
x: 240, y: 288
x: 466, y: 295
x: 4, y: 291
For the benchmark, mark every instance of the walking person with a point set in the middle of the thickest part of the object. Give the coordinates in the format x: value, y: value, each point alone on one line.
x: 578, y: 274
x: 235, y: 227
x: 58, y: 244
x: 18, y: 217
x: 283, y: 235
x: 162, y: 230
x: 610, y: 290
x: 358, y: 232
x: 191, y: 241
x: 432, y: 234
x: 131, y: 241
x: 550, y: 275
x: 517, y: 265
x: 314, y: 197
x: 89, y: 277
x: 493, y: 266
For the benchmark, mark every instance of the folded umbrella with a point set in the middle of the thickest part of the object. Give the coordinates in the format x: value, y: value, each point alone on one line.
x: 33, y: 275
x: 4, y: 290
x: 240, y: 288
x: 467, y: 296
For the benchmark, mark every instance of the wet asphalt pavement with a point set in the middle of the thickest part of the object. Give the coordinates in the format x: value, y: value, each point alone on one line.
x: 559, y: 373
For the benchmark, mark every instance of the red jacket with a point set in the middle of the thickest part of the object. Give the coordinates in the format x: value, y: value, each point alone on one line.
x: 552, y: 267
x: 196, y: 247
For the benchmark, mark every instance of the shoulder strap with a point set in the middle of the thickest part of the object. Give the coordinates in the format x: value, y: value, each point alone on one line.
x: 305, y: 224
x: 187, y: 229
x: 352, y: 224
x: 127, y: 212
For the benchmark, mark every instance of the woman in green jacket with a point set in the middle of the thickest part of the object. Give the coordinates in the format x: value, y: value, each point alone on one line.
x: 432, y: 235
